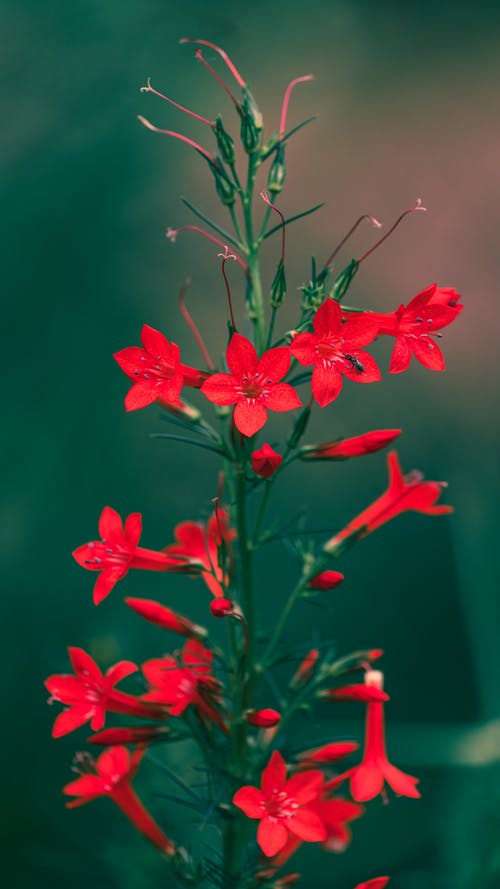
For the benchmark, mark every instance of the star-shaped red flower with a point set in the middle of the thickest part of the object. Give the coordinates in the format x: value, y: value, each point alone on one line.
x: 283, y: 806
x: 198, y: 546
x: 335, y: 350
x: 252, y: 384
x: 89, y: 694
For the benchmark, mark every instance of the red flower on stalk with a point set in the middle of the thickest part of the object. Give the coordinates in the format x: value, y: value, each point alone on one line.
x: 111, y: 775
x: 405, y: 492
x: 283, y: 806
x: 367, y: 779
x: 156, y: 370
x: 335, y: 350
x: 198, y: 546
x: 326, y: 580
x: 415, y: 326
x: 165, y: 618
x: 266, y: 461
x: 266, y: 718
x: 252, y: 384
x: 335, y: 813
x: 357, y: 446
x: 179, y: 684
x: 89, y: 693
x: 118, y: 551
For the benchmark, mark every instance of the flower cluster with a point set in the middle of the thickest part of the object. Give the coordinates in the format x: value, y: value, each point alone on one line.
x: 224, y: 697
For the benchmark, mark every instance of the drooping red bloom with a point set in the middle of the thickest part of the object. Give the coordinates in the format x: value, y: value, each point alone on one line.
x: 283, y: 806
x: 252, y: 384
x: 335, y: 350
x: 376, y: 883
x: 118, y: 551
x: 165, y: 618
x: 405, y: 492
x: 111, y: 776
x: 266, y: 461
x: 266, y: 718
x: 367, y: 779
x: 344, y: 448
x: 179, y: 684
x: 415, y: 326
x: 326, y: 580
x: 354, y: 693
x: 198, y: 546
x: 305, y: 669
x: 89, y: 693
x: 156, y: 370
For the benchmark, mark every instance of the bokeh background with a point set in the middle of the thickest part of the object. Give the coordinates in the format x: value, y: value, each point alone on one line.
x: 407, y: 104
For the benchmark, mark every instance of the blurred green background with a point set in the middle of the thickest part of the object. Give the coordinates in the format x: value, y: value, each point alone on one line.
x: 407, y: 98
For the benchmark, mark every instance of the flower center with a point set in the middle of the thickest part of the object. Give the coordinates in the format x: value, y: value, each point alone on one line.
x: 156, y: 369
x: 105, y: 555
x: 255, y: 386
x: 279, y: 805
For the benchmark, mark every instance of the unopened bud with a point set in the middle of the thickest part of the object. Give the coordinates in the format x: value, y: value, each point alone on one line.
x: 326, y: 580
x: 266, y: 718
x: 277, y: 171
x: 278, y: 287
x: 343, y: 281
x: 224, y: 188
x: 266, y: 461
x: 182, y: 410
x: 225, y: 142
x: 221, y: 607
x: 251, y: 122
x: 305, y: 670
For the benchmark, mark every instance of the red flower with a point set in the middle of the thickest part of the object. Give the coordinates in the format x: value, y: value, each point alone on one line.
x: 143, y: 734
x: 266, y: 718
x: 327, y: 753
x: 326, y: 580
x: 199, y: 548
x: 354, y: 693
x: 415, y: 326
x: 118, y: 551
x: 188, y: 682
x: 334, y: 349
x: 265, y: 461
x: 221, y: 607
x: 282, y: 806
x: 252, y: 384
x: 376, y: 883
x: 89, y: 694
x: 166, y: 618
x: 405, y: 492
x: 335, y: 813
x: 110, y: 776
x: 367, y: 779
x: 156, y: 370
x: 344, y: 448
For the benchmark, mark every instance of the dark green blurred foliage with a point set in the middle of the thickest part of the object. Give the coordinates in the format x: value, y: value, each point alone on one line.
x: 406, y: 96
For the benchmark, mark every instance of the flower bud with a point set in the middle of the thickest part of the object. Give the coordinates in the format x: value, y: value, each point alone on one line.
x: 223, y: 187
x: 265, y: 461
x: 326, y: 580
x: 182, y: 410
x: 364, y: 692
x: 278, y: 287
x: 266, y: 718
x: 357, y: 446
x: 220, y: 607
x: 135, y: 735
x: 305, y: 670
x: 225, y: 142
x: 165, y: 618
x: 343, y: 281
x: 251, y: 122
x: 327, y: 753
x: 277, y: 171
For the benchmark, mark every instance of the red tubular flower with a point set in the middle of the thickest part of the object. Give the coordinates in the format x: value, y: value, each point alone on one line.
x: 415, y: 326
x: 199, y: 546
x: 327, y: 753
x: 344, y: 448
x: 165, y: 618
x: 367, y: 779
x: 376, y: 883
x: 111, y: 776
x: 334, y: 349
x: 326, y: 580
x: 89, y: 694
x: 405, y: 492
x: 118, y: 551
x: 354, y: 693
x: 305, y: 669
x: 143, y: 734
x: 156, y: 370
x: 188, y: 682
x: 266, y: 718
x: 252, y: 384
x: 266, y: 461
x: 283, y: 806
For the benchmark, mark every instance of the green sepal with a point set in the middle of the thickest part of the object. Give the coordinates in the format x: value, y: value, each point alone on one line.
x: 251, y: 122
x: 343, y: 281
x: 278, y: 287
x: 277, y: 171
x: 225, y: 142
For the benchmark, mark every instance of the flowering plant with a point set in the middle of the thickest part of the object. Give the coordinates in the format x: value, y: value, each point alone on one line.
x: 225, y: 699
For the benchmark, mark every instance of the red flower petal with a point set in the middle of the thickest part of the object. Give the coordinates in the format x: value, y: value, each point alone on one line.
x: 141, y: 395
x: 370, y: 372
x: 110, y: 524
x: 119, y: 671
x: 274, y: 775
x: 271, y: 836
x: 156, y: 343
x: 113, y: 764
x: 400, y: 782
x: 305, y: 786
x: 133, y: 528
x: 251, y: 801
x: 106, y: 581
x: 249, y: 416
x: 328, y: 318
x: 221, y: 388
x: 428, y: 353
x: 303, y: 348
x: 376, y: 883
x: 282, y: 397
x: 69, y: 720
x: 241, y: 356
x: 401, y: 356
x: 326, y: 383
x: 88, y: 786
x: 84, y: 665
x: 275, y: 363
x: 308, y: 826
x: 359, y: 331
x: 366, y: 782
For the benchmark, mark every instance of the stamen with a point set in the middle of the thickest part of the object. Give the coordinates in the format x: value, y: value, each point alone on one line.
x: 351, y: 231
x: 150, y: 89
x: 225, y: 256
x: 418, y: 206
x: 203, y: 151
x: 267, y: 200
x: 172, y: 233
x: 192, y: 326
x: 224, y: 56
x: 286, y: 100
x: 199, y: 55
